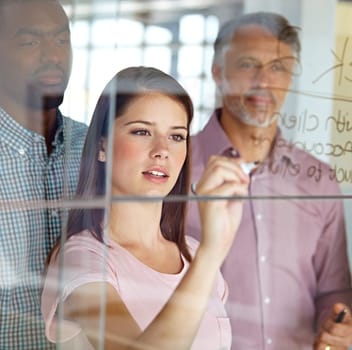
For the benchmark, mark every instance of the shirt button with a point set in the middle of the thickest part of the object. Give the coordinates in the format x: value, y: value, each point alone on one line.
x: 267, y: 300
x: 21, y: 151
x: 263, y: 258
x: 259, y: 217
x: 269, y: 341
x: 54, y: 213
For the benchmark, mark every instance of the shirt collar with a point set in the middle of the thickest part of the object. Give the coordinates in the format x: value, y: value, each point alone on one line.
x: 60, y: 126
x: 213, y: 138
x: 21, y: 138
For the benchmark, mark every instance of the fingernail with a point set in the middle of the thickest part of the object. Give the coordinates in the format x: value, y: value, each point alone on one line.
x: 193, y: 188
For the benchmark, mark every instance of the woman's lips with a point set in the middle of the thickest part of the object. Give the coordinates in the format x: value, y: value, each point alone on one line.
x: 156, y: 175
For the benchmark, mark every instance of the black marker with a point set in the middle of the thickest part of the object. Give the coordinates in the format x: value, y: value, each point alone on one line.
x: 246, y: 167
x: 339, y: 318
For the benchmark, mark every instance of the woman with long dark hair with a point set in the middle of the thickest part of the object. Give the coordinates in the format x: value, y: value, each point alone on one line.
x: 128, y: 277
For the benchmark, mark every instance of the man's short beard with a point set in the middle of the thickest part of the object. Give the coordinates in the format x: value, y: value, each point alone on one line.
x: 36, y: 99
x: 245, y: 118
x: 240, y: 112
x: 50, y: 102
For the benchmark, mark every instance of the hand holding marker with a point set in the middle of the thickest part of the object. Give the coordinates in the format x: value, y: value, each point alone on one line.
x: 339, y: 318
x: 246, y: 167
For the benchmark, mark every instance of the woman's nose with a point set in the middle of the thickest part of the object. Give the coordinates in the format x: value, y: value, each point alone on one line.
x: 160, y: 149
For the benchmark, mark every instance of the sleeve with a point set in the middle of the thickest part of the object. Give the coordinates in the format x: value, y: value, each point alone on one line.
x: 82, y: 262
x: 331, y: 261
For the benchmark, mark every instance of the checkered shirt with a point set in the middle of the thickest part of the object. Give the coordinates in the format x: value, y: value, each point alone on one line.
x: 28, y: 232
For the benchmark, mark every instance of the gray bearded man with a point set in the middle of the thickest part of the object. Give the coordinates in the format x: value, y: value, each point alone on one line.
x: 287, y: 270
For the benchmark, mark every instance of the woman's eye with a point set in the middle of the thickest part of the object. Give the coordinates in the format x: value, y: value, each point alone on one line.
x: 178, y: 138
x: 141, y: 132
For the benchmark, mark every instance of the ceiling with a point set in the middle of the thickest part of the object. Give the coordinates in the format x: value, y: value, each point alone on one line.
x: 151, y: 10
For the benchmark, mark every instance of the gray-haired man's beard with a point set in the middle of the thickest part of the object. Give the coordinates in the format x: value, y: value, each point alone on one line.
x: 241, y: 113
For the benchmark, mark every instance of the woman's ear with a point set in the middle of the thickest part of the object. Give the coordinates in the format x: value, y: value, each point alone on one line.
x: 102, y: 151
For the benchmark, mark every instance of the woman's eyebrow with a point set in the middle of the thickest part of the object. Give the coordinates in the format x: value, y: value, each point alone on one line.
x: 139, y: 122
x: 180, y: 127
x: 152, y: 124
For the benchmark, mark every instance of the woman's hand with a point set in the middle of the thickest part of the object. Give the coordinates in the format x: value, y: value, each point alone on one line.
x: 220, y: 218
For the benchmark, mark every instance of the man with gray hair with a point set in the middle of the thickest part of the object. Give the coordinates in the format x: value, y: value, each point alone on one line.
x: 287, y: 271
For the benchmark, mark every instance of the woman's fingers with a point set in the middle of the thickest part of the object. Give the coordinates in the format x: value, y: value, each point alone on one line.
x: 223, y: 177
x: 219, y: 171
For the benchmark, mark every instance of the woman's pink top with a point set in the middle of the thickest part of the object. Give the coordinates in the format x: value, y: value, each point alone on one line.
x: 143, y: 290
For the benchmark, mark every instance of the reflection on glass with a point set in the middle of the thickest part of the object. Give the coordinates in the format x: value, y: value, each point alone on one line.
x: 192, y: 29
x: 159, y: 57
x: 80, y: 34
x: 190, y: 61
x: 134, y: 31
x: 157, y: 35
x: 100, y: 27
